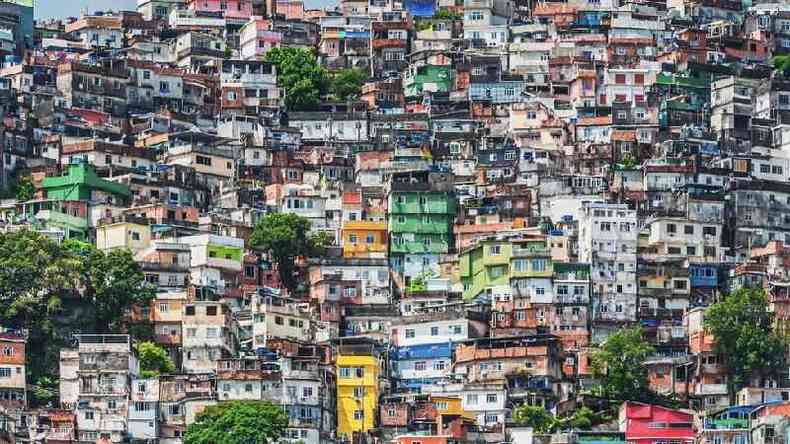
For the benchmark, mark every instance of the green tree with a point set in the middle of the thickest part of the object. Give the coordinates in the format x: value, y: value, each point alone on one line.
x: 582, y: 418
x: 34, y: 274
x: 153, y: 359
x: 741, y: 327
x: 238, y: 422
x: 112, y: 281
x: 782, y: 63
x: 24, y: 190
x: 285, y: 237
x: 446, y: 14
x: 347, y: 84
x: 300, y: 75
x: 619, y: 364
x: 541, y: 420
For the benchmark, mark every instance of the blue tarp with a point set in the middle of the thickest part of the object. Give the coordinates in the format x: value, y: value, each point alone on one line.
x: 421, y: 8
x: 423, y: 351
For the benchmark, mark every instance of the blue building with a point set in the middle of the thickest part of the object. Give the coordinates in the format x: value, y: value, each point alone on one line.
x: 417, y: 365
x: 23, y: 28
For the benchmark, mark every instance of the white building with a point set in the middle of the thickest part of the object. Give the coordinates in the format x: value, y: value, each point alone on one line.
x: 608, y: 241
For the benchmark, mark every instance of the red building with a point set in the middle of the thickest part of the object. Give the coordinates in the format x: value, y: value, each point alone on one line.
x: 652, y: 424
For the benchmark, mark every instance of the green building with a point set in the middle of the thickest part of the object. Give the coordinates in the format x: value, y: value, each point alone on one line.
x: 82, y: 183
x: 508, y: 266
x: 422, y: 210
x: 440, y: 79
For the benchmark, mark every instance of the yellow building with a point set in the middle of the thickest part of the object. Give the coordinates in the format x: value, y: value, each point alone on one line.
x: 130, y: 235
x: 363, y: 238
x: 357, y: 388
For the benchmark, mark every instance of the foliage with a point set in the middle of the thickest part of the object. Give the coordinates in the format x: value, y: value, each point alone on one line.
x: 446, y: 14
x: 741, y: 327
x: 619, y: 364
x: 300, y: 75
x: 112, y: 281
x: 54, y: 290
x: 536, y: 417
x: 582, y: 418
x: 347, y: 84
x: 782, y: 63
x: 628, y: 162
x: 153, y: 360
x: 45, y: 392
x: 24, y: 189
x: 238, y: 422
x: 285, y: 237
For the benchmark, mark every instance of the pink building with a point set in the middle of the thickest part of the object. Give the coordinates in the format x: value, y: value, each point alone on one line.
x: 291, y: 9
x: 257, y: 38
x: 230, y: 9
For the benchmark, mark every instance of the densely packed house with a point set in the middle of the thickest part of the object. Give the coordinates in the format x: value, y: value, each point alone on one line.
x: 510, y: 184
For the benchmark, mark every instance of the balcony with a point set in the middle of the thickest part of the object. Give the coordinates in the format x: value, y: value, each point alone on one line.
x: 531, y: 252
x: 158, y: 266
x: 168, y: 339
x: 570, y: 299
x: 388, y: 43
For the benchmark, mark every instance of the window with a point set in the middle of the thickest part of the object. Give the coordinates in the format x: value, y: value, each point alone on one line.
x: 419, y: 366
x: 688, y: 229
x: 672, y: 228
x: 491, y: 398
x: 439, y: 365
x: 619, y: 79
x: 5, y: 372
x: 539, y: 265
x: 709, y: 231
x: 359, y: 415
x: 494, y: 250
x: 203, y: 160
x: 211, y: 310
x: 434, y: 331
x: 471, y: 399
x: 89, y: 415
x: 190, y: 310
x: 345, y: 372
x: 359, y: 392
x: 409, y: 333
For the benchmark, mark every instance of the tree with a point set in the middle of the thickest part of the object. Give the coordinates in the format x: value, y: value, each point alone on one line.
x: 285, y: 237
x: 34, y: 274
x: 446, y: 14
x: 347, y: 84
x: 153, y: 359
x: 112, y: 281
x: 238, y: 422
x: 619, y: 364
x: 741, y: 328
x: 536, y: 417
x: 300, y: 75
x: 582, y: 418
x: 782, y: 63
x: 24, y: 190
